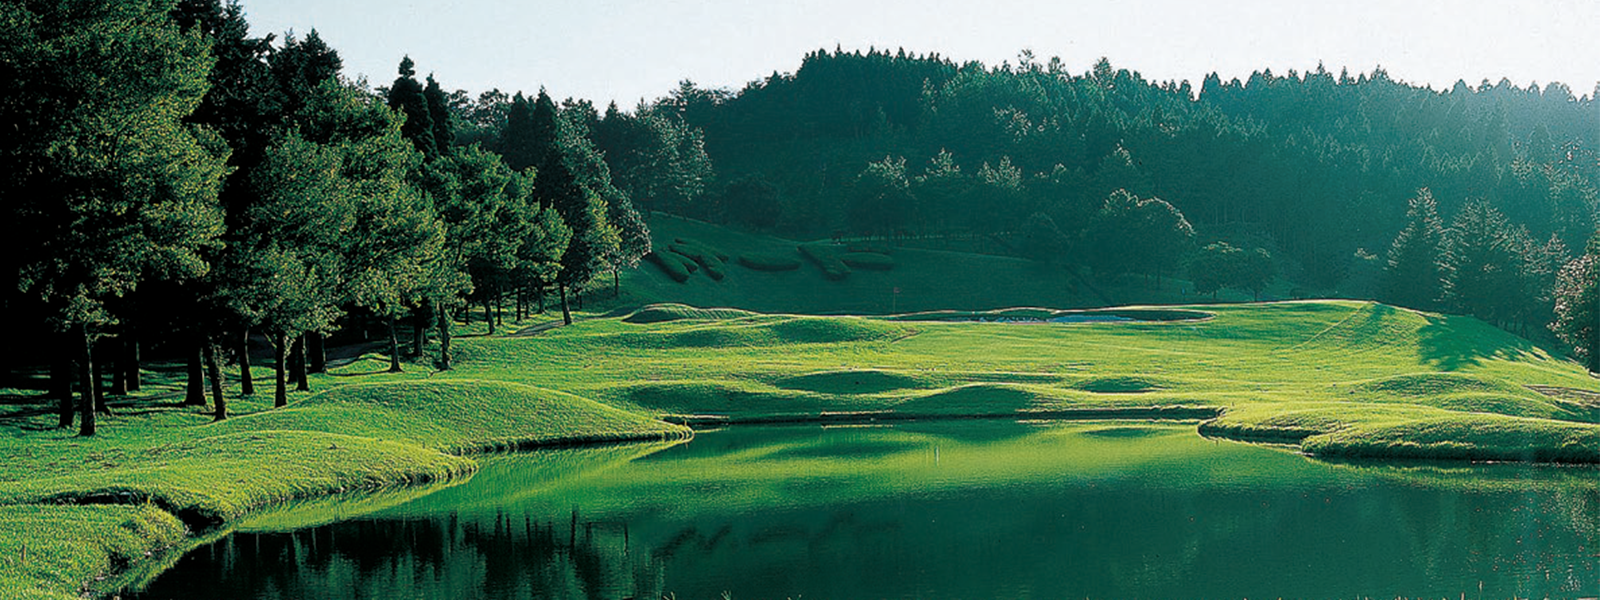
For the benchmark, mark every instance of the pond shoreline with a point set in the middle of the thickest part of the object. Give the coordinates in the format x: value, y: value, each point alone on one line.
x: 1153, y: 413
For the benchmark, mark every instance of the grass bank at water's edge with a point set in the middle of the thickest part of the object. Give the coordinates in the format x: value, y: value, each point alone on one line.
x: 79, y: 510
x: 1338, y: 378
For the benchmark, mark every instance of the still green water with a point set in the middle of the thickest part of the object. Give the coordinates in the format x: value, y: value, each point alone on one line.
x: 966, y: 509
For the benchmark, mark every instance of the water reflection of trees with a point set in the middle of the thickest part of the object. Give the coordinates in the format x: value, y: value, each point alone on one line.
x: 500, y: 555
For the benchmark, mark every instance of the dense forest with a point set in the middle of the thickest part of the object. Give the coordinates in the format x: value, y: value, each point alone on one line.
x: 172, y: 182
x: 1467, y: 200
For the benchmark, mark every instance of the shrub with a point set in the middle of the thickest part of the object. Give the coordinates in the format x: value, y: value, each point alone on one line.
x: 702, y: 256
x: 701, y: 248
x: 768, y: 262
x: 669, y: 263
x: 870, y: 261
x: 826, y: 258
x: 867, y: 247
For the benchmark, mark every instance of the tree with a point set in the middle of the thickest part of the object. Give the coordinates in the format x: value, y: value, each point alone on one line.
x: 1220, y: 265
x: 105, y: 186
x: 753, y: 202
x: 406, y: 96
x: 1485, y: 264
x: 1042, y: 240
x: 300, y: 67
x: 1210, y: 268
x: 1576, y: 312
x: 444, y: 136
x: 1254, y: 272
x: 940, y: 190
x: 1131, y: 235
x: 287, y: 278
x: 657, y: 159
x: 1415, y: 269
x: 881, y: 200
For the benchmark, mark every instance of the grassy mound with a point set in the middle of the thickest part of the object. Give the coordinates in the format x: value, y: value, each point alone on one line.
x: 1118, y: 384
x: 863, y: 381
x: 1463, y: 437
x: 698, y: 250
x: 713, y: 261
x: 209, y: 480
x: 771, y: 263
x: 662, y: 313
x: 457, y: 416
x: 828, y: 258
x: 671, y: 263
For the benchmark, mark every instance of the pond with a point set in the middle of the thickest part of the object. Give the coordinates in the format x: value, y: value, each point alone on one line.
x: 965, y: 509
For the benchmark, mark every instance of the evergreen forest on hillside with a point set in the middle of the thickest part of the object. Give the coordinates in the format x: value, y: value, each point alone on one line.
x: 242, y: 186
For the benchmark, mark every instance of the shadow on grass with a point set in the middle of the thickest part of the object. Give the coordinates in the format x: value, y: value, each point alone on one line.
x: 1451, y: 343
x: 359, y: 373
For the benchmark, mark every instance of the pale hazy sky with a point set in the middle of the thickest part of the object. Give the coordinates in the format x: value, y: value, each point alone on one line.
x: 628, y: 50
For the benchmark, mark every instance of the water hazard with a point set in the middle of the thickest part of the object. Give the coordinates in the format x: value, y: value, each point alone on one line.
x: 968, y: 509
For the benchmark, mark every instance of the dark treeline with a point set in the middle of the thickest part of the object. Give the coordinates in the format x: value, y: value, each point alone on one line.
x: 174, y: 184
x: 1110, y: 173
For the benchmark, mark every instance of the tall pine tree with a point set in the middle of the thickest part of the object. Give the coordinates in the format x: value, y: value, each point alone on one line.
x: 1415, y: 270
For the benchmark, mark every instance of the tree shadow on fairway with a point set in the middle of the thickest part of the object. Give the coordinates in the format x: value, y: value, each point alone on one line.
x: 1451, y: 343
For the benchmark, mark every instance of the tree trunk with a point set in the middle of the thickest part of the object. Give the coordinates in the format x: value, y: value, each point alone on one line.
x: 194, y: 391
x: 61, y: 382
x: 487, y: 315
x: 419, y: 328
x: 394, y: 346
x: 297, y: 364
x: 443, y: 315
x: 280, y: 347
x: 499, y: 314
x: 100, y: 405
x: 119, y: 373
x: 522, y: 302
x: 214, y: 371
x: 566, y: 311
x: 616, y: 282
x: 247, y: 386
x: 317, y: 351
x: 130, y: 358
x: 86, y: 380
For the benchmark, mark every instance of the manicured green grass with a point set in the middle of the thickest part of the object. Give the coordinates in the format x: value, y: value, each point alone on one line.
x: 1347, y: 378
x: 157, y: 470
x: 53, y: 552
x: 1337, y: 378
